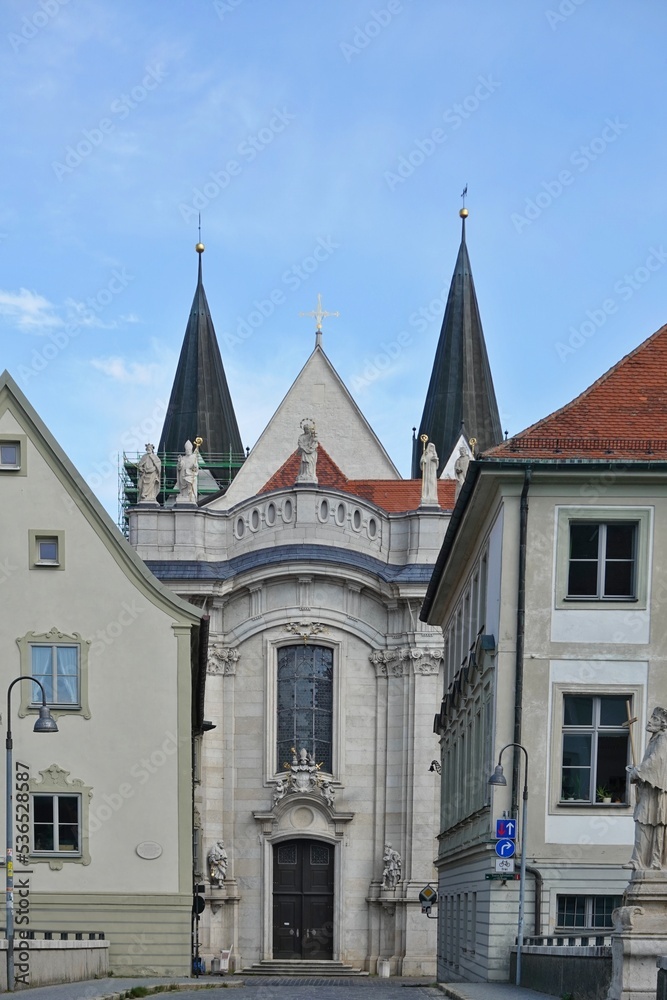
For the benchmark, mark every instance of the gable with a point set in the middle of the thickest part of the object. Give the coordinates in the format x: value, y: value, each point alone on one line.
x: 317, y: 392
x: 49, y: 489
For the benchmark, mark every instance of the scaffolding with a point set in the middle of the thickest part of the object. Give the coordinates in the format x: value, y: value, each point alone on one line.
x: 216, y: 471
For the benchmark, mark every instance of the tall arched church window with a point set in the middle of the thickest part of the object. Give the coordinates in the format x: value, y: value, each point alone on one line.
x: 305, y: 703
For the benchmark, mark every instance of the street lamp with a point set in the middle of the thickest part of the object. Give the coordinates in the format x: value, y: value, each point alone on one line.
x: 498, y: 778
x: 44, y: 724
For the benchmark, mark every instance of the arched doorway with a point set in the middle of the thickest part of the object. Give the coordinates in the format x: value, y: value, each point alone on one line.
x: 303, y: 897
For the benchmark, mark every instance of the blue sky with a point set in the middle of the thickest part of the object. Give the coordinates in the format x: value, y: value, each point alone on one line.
x: 341, y: 126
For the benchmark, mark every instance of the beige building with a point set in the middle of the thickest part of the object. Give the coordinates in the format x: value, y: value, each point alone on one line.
x: 550, y: 590
x: 103, y: 807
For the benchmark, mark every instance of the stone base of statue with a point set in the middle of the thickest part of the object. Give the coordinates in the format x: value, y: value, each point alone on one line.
x: 146, y: 504
x: 183, y: 501
x: 639, y: 937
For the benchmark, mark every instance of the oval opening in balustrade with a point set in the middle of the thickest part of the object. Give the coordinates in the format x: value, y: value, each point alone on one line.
x: 372, y: 528
x: 324, y: 510
x: 287, y: 510
x: 356, y: 519
x: 341, y: 511
x: 271, y: 514
x: 240, y: 528
x: 254, y: 519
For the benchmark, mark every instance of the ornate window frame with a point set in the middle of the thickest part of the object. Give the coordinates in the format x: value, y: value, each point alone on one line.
x: 54, y: 638
x: 55, y: 780
x: 273, y: 769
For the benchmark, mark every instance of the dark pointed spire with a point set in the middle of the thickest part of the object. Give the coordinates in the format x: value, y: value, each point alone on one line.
x: 200, y: 404
x: 461, y: 388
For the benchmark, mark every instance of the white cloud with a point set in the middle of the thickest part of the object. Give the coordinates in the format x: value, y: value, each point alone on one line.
x: 120, y: 370
x: 28, y: 310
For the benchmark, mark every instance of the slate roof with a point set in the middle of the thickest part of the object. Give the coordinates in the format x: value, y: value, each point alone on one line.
x: 623, y: 415
x: 197, y: 569
x: 393, y: 496
x: 200, y: 401
x: 460, y: 393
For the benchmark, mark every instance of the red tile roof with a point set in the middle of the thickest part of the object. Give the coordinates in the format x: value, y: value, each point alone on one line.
x: 623, y: 415
x: 392, y: 495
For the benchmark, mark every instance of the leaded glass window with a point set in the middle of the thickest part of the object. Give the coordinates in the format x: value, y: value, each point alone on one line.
x: 305, y: 703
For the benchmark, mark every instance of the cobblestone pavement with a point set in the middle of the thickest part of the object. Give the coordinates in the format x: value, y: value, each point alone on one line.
x: 252, y: 988
x: 289, y: 988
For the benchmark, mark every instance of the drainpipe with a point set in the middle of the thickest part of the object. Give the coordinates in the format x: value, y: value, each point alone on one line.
x: 520, y: 636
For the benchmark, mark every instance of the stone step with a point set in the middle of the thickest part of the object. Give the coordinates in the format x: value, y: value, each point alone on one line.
x: 295, y: 967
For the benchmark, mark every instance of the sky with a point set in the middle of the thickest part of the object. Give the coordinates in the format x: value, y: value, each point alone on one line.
x: 326, y: 144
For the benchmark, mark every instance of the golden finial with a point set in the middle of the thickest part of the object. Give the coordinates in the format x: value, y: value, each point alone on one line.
x: 463, y: 212
x: 199, y: 247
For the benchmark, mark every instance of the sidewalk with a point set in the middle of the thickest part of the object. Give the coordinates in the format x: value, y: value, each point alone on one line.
x: 108, y: 989
x: 490, y: 991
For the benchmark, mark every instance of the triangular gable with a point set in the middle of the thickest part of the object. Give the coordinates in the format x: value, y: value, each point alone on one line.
x: 13, y: 401
x: 621, y: 415
x: 317, y: 392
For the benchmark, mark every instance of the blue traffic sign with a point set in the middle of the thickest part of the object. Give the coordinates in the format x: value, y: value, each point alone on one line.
x: 506, y: 828
x: 505, y: 848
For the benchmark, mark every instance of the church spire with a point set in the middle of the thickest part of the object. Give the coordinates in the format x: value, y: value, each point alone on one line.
x: 460, y: 393
x: 200, y: 404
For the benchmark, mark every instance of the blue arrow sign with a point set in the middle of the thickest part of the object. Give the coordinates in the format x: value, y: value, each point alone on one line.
x: 505, y: 848
x: 506, y: 828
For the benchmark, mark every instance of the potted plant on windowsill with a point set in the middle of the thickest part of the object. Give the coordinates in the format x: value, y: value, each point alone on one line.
x: 603, y: 795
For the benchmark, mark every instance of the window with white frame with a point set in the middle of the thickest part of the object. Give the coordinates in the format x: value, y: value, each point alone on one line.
x: 305, y: 703
x: 594, y: 748
x: 602, y: 556
x: 586, y: 912
x: 56, y: 824
x: 57, y: 668
x: 60, y: 662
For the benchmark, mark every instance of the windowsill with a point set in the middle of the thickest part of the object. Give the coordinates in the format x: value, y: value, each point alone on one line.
x: 588, y: 599
x: 585, y: 803
x: 43, y: 562
x: 55, y: 854
x: 53, y: 706
x: 10, y: 468
x: 581, y: 931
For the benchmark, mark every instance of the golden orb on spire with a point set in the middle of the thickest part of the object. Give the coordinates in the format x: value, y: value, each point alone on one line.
x: 200, y: 247
x: 463, y: 212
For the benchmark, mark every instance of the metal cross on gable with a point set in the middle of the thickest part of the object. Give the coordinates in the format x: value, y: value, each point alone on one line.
x: 318, y: 315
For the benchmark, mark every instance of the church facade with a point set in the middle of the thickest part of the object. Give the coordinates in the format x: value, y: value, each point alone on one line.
x: 312, y: 561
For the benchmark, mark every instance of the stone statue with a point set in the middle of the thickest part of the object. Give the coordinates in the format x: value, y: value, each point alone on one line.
x: 217, y: 864
x: 392, y: 867
x: 188, y: 469
x: 429, y: 467
x: 279, y: 791
x: 328, y: 792
x: 307, y: 446
x: 461, y: 466
x: 149, y: 467
x: 650, y: 814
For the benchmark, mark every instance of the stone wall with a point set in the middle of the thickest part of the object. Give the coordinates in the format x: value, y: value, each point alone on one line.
x: 584, y: 973
x: 53, y: 962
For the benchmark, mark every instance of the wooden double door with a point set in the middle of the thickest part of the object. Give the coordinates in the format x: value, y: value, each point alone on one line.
x: 303, y: 894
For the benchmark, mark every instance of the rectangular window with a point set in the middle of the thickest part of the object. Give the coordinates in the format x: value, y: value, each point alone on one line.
x: 47, y: 551
x: 56, y: 824
x: 602, y: 560
x: 595, y: 748
x: 305, y: 704
x: 10, y: 455
x: 57, y: 667
x: 586, y: 912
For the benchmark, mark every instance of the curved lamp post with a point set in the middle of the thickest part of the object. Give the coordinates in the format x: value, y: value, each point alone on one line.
x: 498, y: 778
x: 44, y: 724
